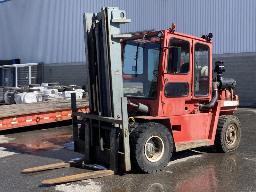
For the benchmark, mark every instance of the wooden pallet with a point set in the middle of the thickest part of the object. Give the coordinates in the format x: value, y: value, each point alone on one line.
x: 69, y: 178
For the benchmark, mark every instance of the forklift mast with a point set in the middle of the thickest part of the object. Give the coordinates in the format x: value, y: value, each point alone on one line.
x: 108, y: 118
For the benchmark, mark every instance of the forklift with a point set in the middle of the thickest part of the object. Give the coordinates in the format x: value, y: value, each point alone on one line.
x: 150, y: 95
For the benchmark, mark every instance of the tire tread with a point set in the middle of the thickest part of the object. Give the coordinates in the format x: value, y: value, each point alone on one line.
x: 222, y: 123
x: 135, y: 142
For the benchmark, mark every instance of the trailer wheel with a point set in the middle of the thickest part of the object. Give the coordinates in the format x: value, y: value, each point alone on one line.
x: 228, y: 134
x: 151, y: 147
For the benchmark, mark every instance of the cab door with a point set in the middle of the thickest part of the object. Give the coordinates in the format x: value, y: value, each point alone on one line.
x: 202, y: 71
x: 202, y: 84
x: 177, y: 75
x: 186, y: 85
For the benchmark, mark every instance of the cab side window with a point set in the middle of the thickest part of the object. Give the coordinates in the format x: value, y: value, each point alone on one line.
x: 178, y: 56
x: 201, y: 70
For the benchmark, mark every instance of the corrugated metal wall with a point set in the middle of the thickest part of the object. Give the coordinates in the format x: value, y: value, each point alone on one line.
x: 51, y: 30
x: 233, y: 22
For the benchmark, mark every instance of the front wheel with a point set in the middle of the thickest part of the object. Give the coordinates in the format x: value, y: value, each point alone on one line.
x: 151, y: 147
x: 228, y: 134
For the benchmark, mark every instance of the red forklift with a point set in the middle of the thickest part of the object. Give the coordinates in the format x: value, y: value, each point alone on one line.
x: 159, y: 86
x: 150, y: 95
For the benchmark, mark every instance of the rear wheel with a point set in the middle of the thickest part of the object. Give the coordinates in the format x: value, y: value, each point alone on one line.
x: 228, y: 134
x: 151, y: 147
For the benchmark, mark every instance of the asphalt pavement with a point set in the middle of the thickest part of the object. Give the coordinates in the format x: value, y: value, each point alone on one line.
x: 192, y: 170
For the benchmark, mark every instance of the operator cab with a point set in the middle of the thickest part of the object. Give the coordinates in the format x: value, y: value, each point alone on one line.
x: 160, y: 67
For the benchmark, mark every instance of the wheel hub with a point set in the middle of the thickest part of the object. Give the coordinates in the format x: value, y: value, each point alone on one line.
x: 154, y: 149
x: 231, y: 134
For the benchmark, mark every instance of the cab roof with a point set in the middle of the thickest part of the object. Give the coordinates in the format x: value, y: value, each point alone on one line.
x: 142, y: 34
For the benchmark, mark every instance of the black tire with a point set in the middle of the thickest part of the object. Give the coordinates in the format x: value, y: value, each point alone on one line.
x: 142, y: 137
x: 224, y: 143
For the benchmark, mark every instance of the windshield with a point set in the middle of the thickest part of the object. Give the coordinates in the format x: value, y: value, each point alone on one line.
x: 140, y: 68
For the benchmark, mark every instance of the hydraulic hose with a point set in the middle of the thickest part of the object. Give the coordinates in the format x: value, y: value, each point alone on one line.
x: 211, y: 104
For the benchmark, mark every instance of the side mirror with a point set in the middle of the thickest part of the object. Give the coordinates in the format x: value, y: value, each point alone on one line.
x: 174, y: 55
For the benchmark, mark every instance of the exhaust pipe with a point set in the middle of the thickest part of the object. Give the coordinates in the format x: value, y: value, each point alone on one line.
x: 204, y: 107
